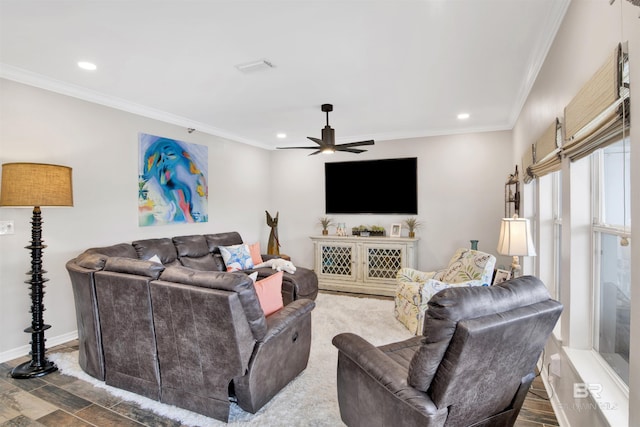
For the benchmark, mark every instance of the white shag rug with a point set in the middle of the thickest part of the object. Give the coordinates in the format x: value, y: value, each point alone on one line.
x: 310, y: 399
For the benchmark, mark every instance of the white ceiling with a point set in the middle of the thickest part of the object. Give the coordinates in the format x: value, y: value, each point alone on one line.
x: 393, y: 69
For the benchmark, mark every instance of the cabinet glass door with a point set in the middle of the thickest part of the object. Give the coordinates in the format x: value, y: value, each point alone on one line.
x: 382, y: 262
x: 337, y: 260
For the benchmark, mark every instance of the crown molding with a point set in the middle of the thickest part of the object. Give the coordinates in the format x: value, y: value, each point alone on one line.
x: 538, y: 56
x: 23, y: 76
x: 30, y: 78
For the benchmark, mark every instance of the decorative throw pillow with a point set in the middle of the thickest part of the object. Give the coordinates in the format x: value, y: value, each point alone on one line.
x: 256, y: 256
x: 269, y: 292
x: 236, y: 257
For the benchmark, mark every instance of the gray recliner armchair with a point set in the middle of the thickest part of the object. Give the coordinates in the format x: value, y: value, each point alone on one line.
x: 473, y: 366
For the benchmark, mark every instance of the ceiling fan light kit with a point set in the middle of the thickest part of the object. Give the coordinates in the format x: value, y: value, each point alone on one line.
x: 327, y: 145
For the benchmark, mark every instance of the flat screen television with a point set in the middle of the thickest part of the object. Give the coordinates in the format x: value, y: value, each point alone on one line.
x: 387, y: 186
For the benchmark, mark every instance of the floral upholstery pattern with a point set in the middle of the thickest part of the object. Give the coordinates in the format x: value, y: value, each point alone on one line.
x: 415, y: 288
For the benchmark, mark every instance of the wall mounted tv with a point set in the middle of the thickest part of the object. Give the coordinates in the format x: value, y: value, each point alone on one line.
x: 387, y: 186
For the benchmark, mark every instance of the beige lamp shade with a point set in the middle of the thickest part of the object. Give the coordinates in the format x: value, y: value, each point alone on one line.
x: 35, y: 184
x: 515, y: 238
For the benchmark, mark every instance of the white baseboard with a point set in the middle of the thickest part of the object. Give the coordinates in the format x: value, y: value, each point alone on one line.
x: 26, y: 349
x: 555, y: 403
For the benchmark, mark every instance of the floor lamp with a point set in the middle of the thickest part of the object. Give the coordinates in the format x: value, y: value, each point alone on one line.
x: 515, y: 240
x: 35, y: 185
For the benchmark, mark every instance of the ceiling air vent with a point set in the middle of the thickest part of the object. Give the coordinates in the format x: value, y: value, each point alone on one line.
x: 260, y: 65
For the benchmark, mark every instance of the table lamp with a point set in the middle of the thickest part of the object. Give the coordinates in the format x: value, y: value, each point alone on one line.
x: 35, y: 185
x: 515, y: 240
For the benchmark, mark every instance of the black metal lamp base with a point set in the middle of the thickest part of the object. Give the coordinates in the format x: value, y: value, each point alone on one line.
x: 38, y: 365
x: 28, y: 370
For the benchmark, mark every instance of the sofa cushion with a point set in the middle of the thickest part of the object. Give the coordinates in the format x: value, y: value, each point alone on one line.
x: 121, y: 249
x: 269, y: 292
x: 204, y: 263
x: 191, y: 246
x: 467, y: 264
x: 256, y: 256
x: 236, y: 257
x: 222, y: 239
x: 164, y: 248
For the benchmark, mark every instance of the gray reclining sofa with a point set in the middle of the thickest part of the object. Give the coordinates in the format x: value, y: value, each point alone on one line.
x: 186, y: 332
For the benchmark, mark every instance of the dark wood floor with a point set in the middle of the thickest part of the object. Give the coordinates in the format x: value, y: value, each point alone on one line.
x: 59, y: 400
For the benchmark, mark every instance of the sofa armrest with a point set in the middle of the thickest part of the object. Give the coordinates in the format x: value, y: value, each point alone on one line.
x: 267, y: 257
x: 383, y: 370
x: 289, y: 314
x: 412, y: 275
x: 133, y: 266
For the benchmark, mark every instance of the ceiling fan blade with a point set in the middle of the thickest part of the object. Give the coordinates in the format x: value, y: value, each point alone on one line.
x: 356, y: 144
x: 315, y: 152
x: 297, y: 148
x: 316, y: 140
x: 350, y: 150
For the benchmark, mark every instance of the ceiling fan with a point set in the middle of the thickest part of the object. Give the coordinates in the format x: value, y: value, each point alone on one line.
x: 327, y: 144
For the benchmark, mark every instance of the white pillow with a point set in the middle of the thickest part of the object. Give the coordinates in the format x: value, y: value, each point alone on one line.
x: 236, y: 257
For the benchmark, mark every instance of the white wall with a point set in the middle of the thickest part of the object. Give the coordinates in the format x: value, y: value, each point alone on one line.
x: 460, y: 194
x: 588, y: 34
x: 101, y: 145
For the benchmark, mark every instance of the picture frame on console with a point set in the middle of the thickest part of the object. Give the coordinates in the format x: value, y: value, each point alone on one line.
x: 396, y: 230
x: 501, y: 276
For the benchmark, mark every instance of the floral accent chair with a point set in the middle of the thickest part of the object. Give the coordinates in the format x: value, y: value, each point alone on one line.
x: 415, y: 288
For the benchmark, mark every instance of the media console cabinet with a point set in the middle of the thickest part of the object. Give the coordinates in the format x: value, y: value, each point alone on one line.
x: 366, y: 265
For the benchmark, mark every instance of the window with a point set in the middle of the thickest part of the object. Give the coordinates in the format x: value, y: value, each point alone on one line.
x: 612, y: 259
x: 556, y: 204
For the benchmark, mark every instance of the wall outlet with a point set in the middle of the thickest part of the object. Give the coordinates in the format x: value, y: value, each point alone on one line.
x: 6, y: 227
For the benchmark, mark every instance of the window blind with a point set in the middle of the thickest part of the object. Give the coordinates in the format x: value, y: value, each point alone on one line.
x: 527, y: 161
x: 547, y: 151
x: 598, y: 114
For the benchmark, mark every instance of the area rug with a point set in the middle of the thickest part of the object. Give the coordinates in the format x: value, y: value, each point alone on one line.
x: 310, y: 399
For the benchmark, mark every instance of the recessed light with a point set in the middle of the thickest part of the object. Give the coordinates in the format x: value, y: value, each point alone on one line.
x: 90, y: 66
x: 281, y: 135
x: 463, y: 116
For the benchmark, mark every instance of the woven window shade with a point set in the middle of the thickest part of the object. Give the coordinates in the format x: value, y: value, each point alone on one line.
x: 527, y: 161
x: 547, y: 151
x: 598, y: 114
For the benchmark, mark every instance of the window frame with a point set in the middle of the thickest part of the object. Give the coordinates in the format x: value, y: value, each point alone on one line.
x: 598, y: 228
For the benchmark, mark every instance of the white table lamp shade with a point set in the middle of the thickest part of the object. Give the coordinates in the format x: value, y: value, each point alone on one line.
x: 516, y: 238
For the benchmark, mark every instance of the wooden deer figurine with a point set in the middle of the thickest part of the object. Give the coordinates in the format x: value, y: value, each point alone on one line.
x: 273, y: 247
